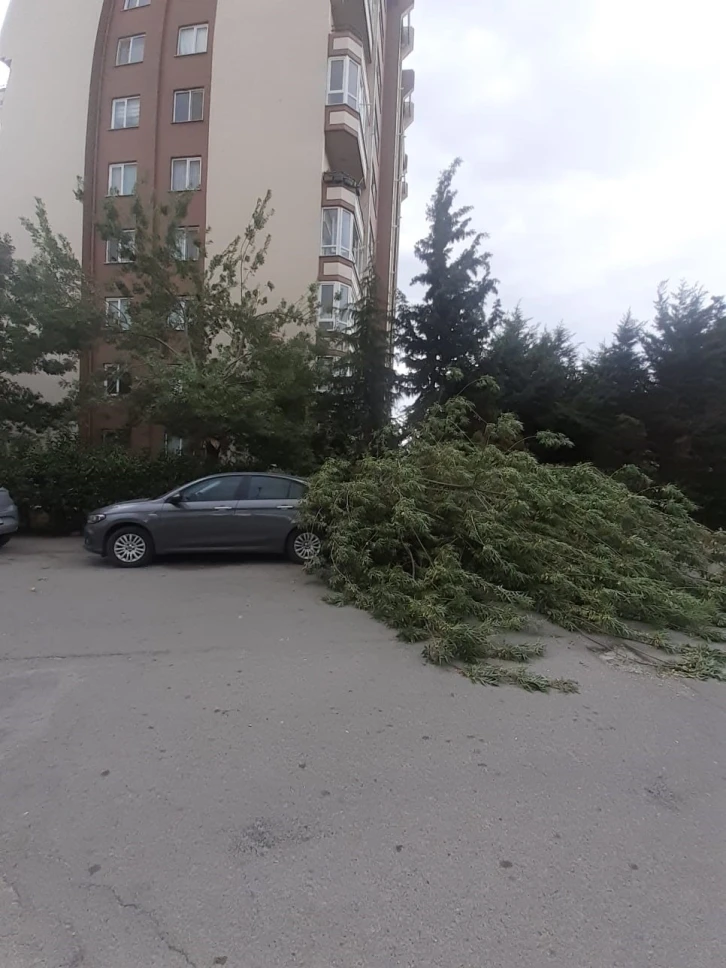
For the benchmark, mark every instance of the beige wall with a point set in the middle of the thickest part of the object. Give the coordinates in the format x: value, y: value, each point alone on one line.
x: 43, y: 123
x: 267, y: 130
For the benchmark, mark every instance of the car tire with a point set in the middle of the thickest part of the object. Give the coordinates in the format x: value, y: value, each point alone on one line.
x: 302, y: 546
x: 4, y: 538
x: 130, y: 547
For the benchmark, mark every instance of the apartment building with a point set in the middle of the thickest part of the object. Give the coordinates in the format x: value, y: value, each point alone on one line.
x: 307, y: 98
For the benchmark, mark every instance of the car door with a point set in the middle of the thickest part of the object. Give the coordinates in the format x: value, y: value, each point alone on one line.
x: 268, y: 510
x: 203, y: 520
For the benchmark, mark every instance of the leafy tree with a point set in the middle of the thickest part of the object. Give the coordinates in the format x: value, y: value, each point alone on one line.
x: 357, y: 391
x: 49, y: 316
x: 441, y: 339
x: 451, y: 540
x: 211, y: 358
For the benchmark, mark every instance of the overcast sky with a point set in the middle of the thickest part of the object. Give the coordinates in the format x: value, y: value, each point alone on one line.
x: 593, y: 145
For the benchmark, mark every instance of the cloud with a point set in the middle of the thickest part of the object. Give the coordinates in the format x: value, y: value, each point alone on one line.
x: 590, y: 134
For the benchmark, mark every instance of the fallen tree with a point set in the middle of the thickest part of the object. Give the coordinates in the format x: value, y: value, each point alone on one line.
x: 453, y: 538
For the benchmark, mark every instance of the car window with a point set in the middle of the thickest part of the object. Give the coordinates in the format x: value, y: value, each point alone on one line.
x: 297, y: 490
x: 264, y: 488
x: 213, y: 489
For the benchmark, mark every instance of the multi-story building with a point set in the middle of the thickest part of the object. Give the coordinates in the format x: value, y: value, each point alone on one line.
x: 306, y: 98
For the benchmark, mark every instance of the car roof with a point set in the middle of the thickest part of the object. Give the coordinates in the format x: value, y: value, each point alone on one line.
x: 289, y: 477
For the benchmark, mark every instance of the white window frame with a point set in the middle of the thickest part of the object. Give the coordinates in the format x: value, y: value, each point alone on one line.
x: 186, y: 243
x: 177, y: 318
x: 117, y: 307
x: 188, y: 163
x: 123, y: 104
x: 347, y: 238
x: 199, y: 30
x: 135, y: 41
x: 174, y: 444
x: 122, y: 167
x: 343, y: 301
x: 190, y: 92
x: 113, y: 380
x: 129, y: 237
x: 133, y: 4
x: 353, y: 91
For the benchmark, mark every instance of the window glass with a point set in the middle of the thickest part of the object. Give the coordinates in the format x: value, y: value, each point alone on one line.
x: 193, y: 40
x: 336, y: 86
x: 188, y: 105
x: 214, y: 489
x: 353, y: 83
x: 264, y: 488
x: 330, y: 230
x: 346, y: 229
x: 130, y: 50
x: 132, y: 4
x: 297, y: 490
x: 186, y: 174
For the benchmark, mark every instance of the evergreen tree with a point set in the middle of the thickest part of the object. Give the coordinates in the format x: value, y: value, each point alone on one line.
x: 613, y: 399
x: 537, y: 375
x: 686, y: 409
x: 358, y: 386
x: 441, y: 339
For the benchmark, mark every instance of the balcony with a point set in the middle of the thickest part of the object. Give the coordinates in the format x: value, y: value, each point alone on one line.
x: 404, y: 190
x: 408, y: 34
x: 344, y: 141
x: 354, y: 15
x: 407, y: 113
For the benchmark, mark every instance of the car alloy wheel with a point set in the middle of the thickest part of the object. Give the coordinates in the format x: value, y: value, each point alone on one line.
x: 307, y: 545
x: 129, y: 548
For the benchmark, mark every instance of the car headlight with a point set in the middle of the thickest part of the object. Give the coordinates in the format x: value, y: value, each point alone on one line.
x: 96, y: 518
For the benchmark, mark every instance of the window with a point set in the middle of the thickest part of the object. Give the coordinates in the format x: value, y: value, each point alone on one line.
x: 335, y: 304
x: 187, y: 247
x: 118, y: 382
x: 374, y: 192
x: 122, y: 178
x: 123, y: 249
x: 116, y: 438
x: 215, y: 489
x: 266, y: 487
x: 192, y: 40
x: 188, y: 105
x: 125, y: 112
x: 173, y: 444
x: 117, y: 311
x: 130, y: 50
x: 177, y: 318
x: 340, y: 234
x: 133, y: 4
x: 346, y: 84
x: 186, y: 174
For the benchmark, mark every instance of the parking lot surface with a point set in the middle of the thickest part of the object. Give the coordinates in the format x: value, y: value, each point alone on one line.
x: 202, y: 764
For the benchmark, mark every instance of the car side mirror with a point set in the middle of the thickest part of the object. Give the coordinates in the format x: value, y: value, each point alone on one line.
x: 175, y: 499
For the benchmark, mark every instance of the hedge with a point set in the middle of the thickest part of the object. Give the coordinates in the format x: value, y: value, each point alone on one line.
x: 55, y: 486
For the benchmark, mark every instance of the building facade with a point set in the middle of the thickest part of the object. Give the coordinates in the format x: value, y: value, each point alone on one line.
x: 306, y: 98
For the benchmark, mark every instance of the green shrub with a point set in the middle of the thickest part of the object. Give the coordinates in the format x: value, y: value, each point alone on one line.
x: 62, y: 481
x: 451, y: 540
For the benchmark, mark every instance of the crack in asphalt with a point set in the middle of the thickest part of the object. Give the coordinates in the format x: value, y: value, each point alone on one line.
x: 144, y: 912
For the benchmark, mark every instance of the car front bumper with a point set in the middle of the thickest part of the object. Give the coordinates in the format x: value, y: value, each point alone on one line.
x: 8, y: 522
x: 93, y: 539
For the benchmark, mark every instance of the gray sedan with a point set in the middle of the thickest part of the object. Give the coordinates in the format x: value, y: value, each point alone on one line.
x: 9, y: 517
x: 224, y: 512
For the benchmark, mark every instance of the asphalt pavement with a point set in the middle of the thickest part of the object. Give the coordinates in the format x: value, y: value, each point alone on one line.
x: 204, y: 764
